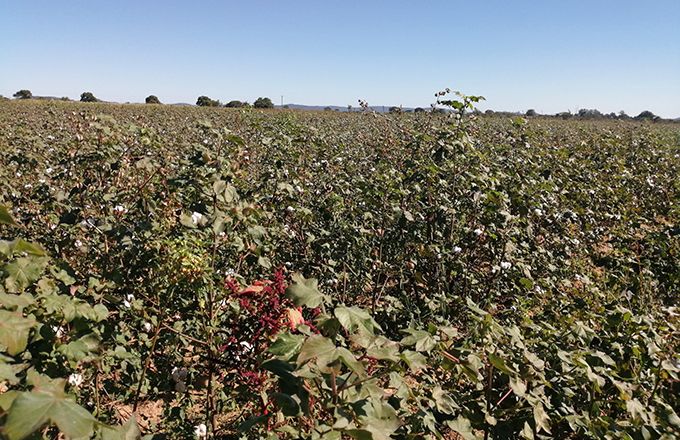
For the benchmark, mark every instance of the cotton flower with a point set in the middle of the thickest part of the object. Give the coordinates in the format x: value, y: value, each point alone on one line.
x: 196, y: 217
x: 75, y: 379
x: 201, y: 431
x: 505, y: 265
x: 457, y: 249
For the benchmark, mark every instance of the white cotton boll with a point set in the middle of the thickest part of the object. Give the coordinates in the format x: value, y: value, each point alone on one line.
x: 290, y: 209
x: 477, y: 232
x: 147, y: 327
x: 78, y: 243
x: 196, y: 217
x: 505, y: 265
x: 538, y: 212
x: 457, y: 249
x: 75, y: 380
x: 201, y: 431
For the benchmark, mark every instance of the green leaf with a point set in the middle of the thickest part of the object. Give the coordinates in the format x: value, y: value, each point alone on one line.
x: 286, y: 345
x: 500, y: 364
x: 414, y: 360
x: 519, y: 387
x: 32, y: 410
x: 20, y: 245
x: 443, y: 401
x: 353, y: 319
x: 128, y: 431
x: 14, y: 331
x: 264, y: 262
x: 288, y: 405
x: 304, y: 291
x: 463, y: 427
x: 19, y: 302
x: 422, y: 340
x: 541, y: 418
x: 316, y: 346
x: 22, y: 272
x: 5, y: 217
x: 101, y: 312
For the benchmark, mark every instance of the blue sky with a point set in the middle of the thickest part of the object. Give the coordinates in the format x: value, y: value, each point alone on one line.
x: 548, y: 55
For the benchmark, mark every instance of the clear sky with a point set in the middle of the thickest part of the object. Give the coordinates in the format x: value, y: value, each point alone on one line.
x: 548, y: 55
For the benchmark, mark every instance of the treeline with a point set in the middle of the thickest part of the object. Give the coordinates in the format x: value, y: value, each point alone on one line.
x: 583, y: 114
x: 202, y: 101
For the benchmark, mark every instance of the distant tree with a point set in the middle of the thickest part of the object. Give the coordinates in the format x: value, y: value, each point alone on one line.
x: 65, y: 98
x: 395, y: 109
x: 647, y: 116
x: 489, y: 112
x: 88, y: 97
x: 263, y: 103
x: 564, y: 115
x: 23, y: 94
x: 3, y: 98
x: 152, y: 99
x: 327, y: 109
x: 589, y: 113
x: 204, y: 101
x: 531, y: 112
x: 235, y: 104
x: 286, y: 106
x: 349, y: 108
x: 623, y: 115
x: 419, y: 110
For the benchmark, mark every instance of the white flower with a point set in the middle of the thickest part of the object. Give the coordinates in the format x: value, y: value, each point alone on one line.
x: 247, y: 346
x: 290, y: 209
x: 28, y: 186
x: 128, y: 300
x: 147, y: 326
x: 50, y: 137
x: 477, y: 232
x: 201, y: 430
x: 538, y: 212
x: 18, y: 173
x: 120, y: 208
x: 299, y: 189
x: 78, y: 243
x: 457, y: 249
x: 48, y: 170
x: 505, y: 265
x: 75, y: 379
x: 196, y: 217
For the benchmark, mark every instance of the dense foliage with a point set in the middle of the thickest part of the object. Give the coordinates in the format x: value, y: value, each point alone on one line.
x: 231, y: 272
